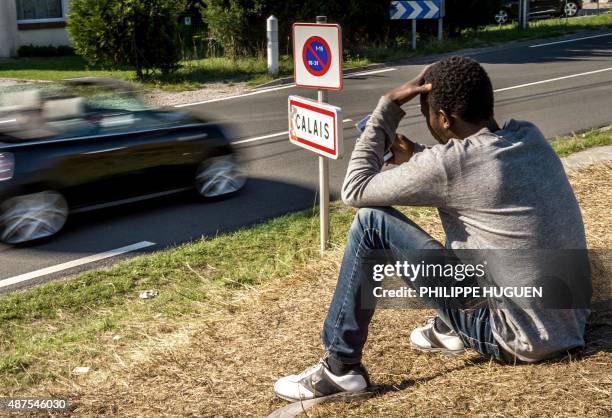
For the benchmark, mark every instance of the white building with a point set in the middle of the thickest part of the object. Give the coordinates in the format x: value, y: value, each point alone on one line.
x: 32, y: 22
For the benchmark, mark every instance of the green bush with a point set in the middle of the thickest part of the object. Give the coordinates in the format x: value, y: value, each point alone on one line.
x: 240, y: 25
x: 45, y: 51
x: 230, y: 22
x: 138, y: 33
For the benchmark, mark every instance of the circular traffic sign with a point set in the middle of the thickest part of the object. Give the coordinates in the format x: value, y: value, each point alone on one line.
x: 317, y: 56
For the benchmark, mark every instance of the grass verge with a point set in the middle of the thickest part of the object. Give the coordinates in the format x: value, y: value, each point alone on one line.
x: 197, y: 73
x: 579, y: 142
x: 47, y: 331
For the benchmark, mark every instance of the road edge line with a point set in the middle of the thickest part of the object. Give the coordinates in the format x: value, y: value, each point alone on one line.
x: 74, y: 263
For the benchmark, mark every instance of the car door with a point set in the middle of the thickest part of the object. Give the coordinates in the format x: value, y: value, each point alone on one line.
x: 161, y: 155
x: 89, y: 168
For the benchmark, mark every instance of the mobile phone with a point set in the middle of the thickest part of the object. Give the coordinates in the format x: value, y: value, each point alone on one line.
x: 361, y: 125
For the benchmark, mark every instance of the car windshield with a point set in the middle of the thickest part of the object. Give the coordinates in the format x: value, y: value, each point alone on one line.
x: 98, y: 98
x: 68, y: 109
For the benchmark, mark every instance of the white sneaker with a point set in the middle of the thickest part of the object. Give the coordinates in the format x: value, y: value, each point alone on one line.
x: 429, y: 338
x: 318, y: 381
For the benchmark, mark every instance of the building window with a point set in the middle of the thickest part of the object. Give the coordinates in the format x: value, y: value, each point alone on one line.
x: 28, y: 10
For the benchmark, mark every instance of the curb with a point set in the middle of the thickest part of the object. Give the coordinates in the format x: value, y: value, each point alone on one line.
x: 584, y: 159
x: 427, y: 59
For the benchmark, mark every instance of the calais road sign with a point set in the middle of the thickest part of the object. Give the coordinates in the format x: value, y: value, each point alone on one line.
x: 317, y: 56
x: 316, y: 126
x: 416, y: 9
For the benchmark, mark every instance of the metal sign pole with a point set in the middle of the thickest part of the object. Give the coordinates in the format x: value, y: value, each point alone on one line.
x: 324, y: 188
x: 322, y: 97
x: 441, y: 21
x: 414, y: 28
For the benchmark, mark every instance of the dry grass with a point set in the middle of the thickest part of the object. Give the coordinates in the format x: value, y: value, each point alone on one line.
x: 224, y: 362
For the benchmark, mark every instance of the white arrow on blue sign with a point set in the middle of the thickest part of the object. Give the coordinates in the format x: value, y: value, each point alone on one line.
x: 416, y: 9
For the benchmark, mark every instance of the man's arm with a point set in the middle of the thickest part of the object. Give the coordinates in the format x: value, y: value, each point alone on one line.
x: 421, y: 181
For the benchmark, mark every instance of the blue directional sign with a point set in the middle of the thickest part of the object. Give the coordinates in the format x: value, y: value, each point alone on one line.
x: 417, y: 9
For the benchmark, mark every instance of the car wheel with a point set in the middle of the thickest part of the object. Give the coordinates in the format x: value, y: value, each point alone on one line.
x: 570, y: 9
x: 31, y: 217
x: 501, y: 18
x: 218, y: 176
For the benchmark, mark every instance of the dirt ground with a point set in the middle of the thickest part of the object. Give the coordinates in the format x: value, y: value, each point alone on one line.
x: 212, y: 91
x: 227, y: 365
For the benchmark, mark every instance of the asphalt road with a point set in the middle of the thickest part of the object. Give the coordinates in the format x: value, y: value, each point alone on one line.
x: 562, y: 87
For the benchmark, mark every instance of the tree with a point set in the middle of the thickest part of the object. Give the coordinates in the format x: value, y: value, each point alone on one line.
x: 139, y: 33
x: 239, y: 25
x: 230, y: 22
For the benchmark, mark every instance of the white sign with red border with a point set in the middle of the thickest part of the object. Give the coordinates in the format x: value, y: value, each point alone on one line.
x: 317, y: 55
x: 316, y: 126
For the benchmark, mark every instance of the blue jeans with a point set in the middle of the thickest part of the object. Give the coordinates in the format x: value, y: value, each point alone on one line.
x: 345, y: 330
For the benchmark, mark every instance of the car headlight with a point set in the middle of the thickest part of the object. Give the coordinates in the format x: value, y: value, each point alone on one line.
x: 7, y: 166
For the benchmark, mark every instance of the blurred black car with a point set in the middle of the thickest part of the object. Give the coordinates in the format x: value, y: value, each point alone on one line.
x: 90, y: 143
x: 538, y: 9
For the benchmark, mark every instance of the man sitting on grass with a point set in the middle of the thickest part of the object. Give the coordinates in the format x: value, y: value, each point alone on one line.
x: 494, y: 188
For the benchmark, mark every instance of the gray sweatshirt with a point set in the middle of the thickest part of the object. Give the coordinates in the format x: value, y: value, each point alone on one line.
x: 502, y: 190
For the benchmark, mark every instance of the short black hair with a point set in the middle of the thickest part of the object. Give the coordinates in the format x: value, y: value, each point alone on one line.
x: 461, y: 87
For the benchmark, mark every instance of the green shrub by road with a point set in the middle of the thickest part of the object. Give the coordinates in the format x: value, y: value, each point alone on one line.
x: 196, y: 74
x: 48, y: 330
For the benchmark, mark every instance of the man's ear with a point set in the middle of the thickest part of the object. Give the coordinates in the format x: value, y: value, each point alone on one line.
x: 446, y: 121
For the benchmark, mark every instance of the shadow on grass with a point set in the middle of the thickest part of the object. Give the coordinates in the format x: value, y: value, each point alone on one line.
x: 380, y: 390
x: 598, y: 333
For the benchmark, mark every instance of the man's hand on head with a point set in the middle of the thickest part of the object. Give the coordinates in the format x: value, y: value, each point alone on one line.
x: 410, y: 90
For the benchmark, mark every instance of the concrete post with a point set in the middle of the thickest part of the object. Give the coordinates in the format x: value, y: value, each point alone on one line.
x: 272, y: 35
x: 8, y: 28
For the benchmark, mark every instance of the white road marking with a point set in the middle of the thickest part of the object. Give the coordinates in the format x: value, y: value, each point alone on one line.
x: 570, y: 40
x: 259, y: 138
x: 288, y: 86
x: 384, y: 70
x: 74, y: 263
x: 550, y: 80
x: 220, y: 99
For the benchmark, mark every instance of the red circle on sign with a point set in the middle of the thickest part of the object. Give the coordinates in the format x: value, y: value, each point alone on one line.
x: 308, y: 47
